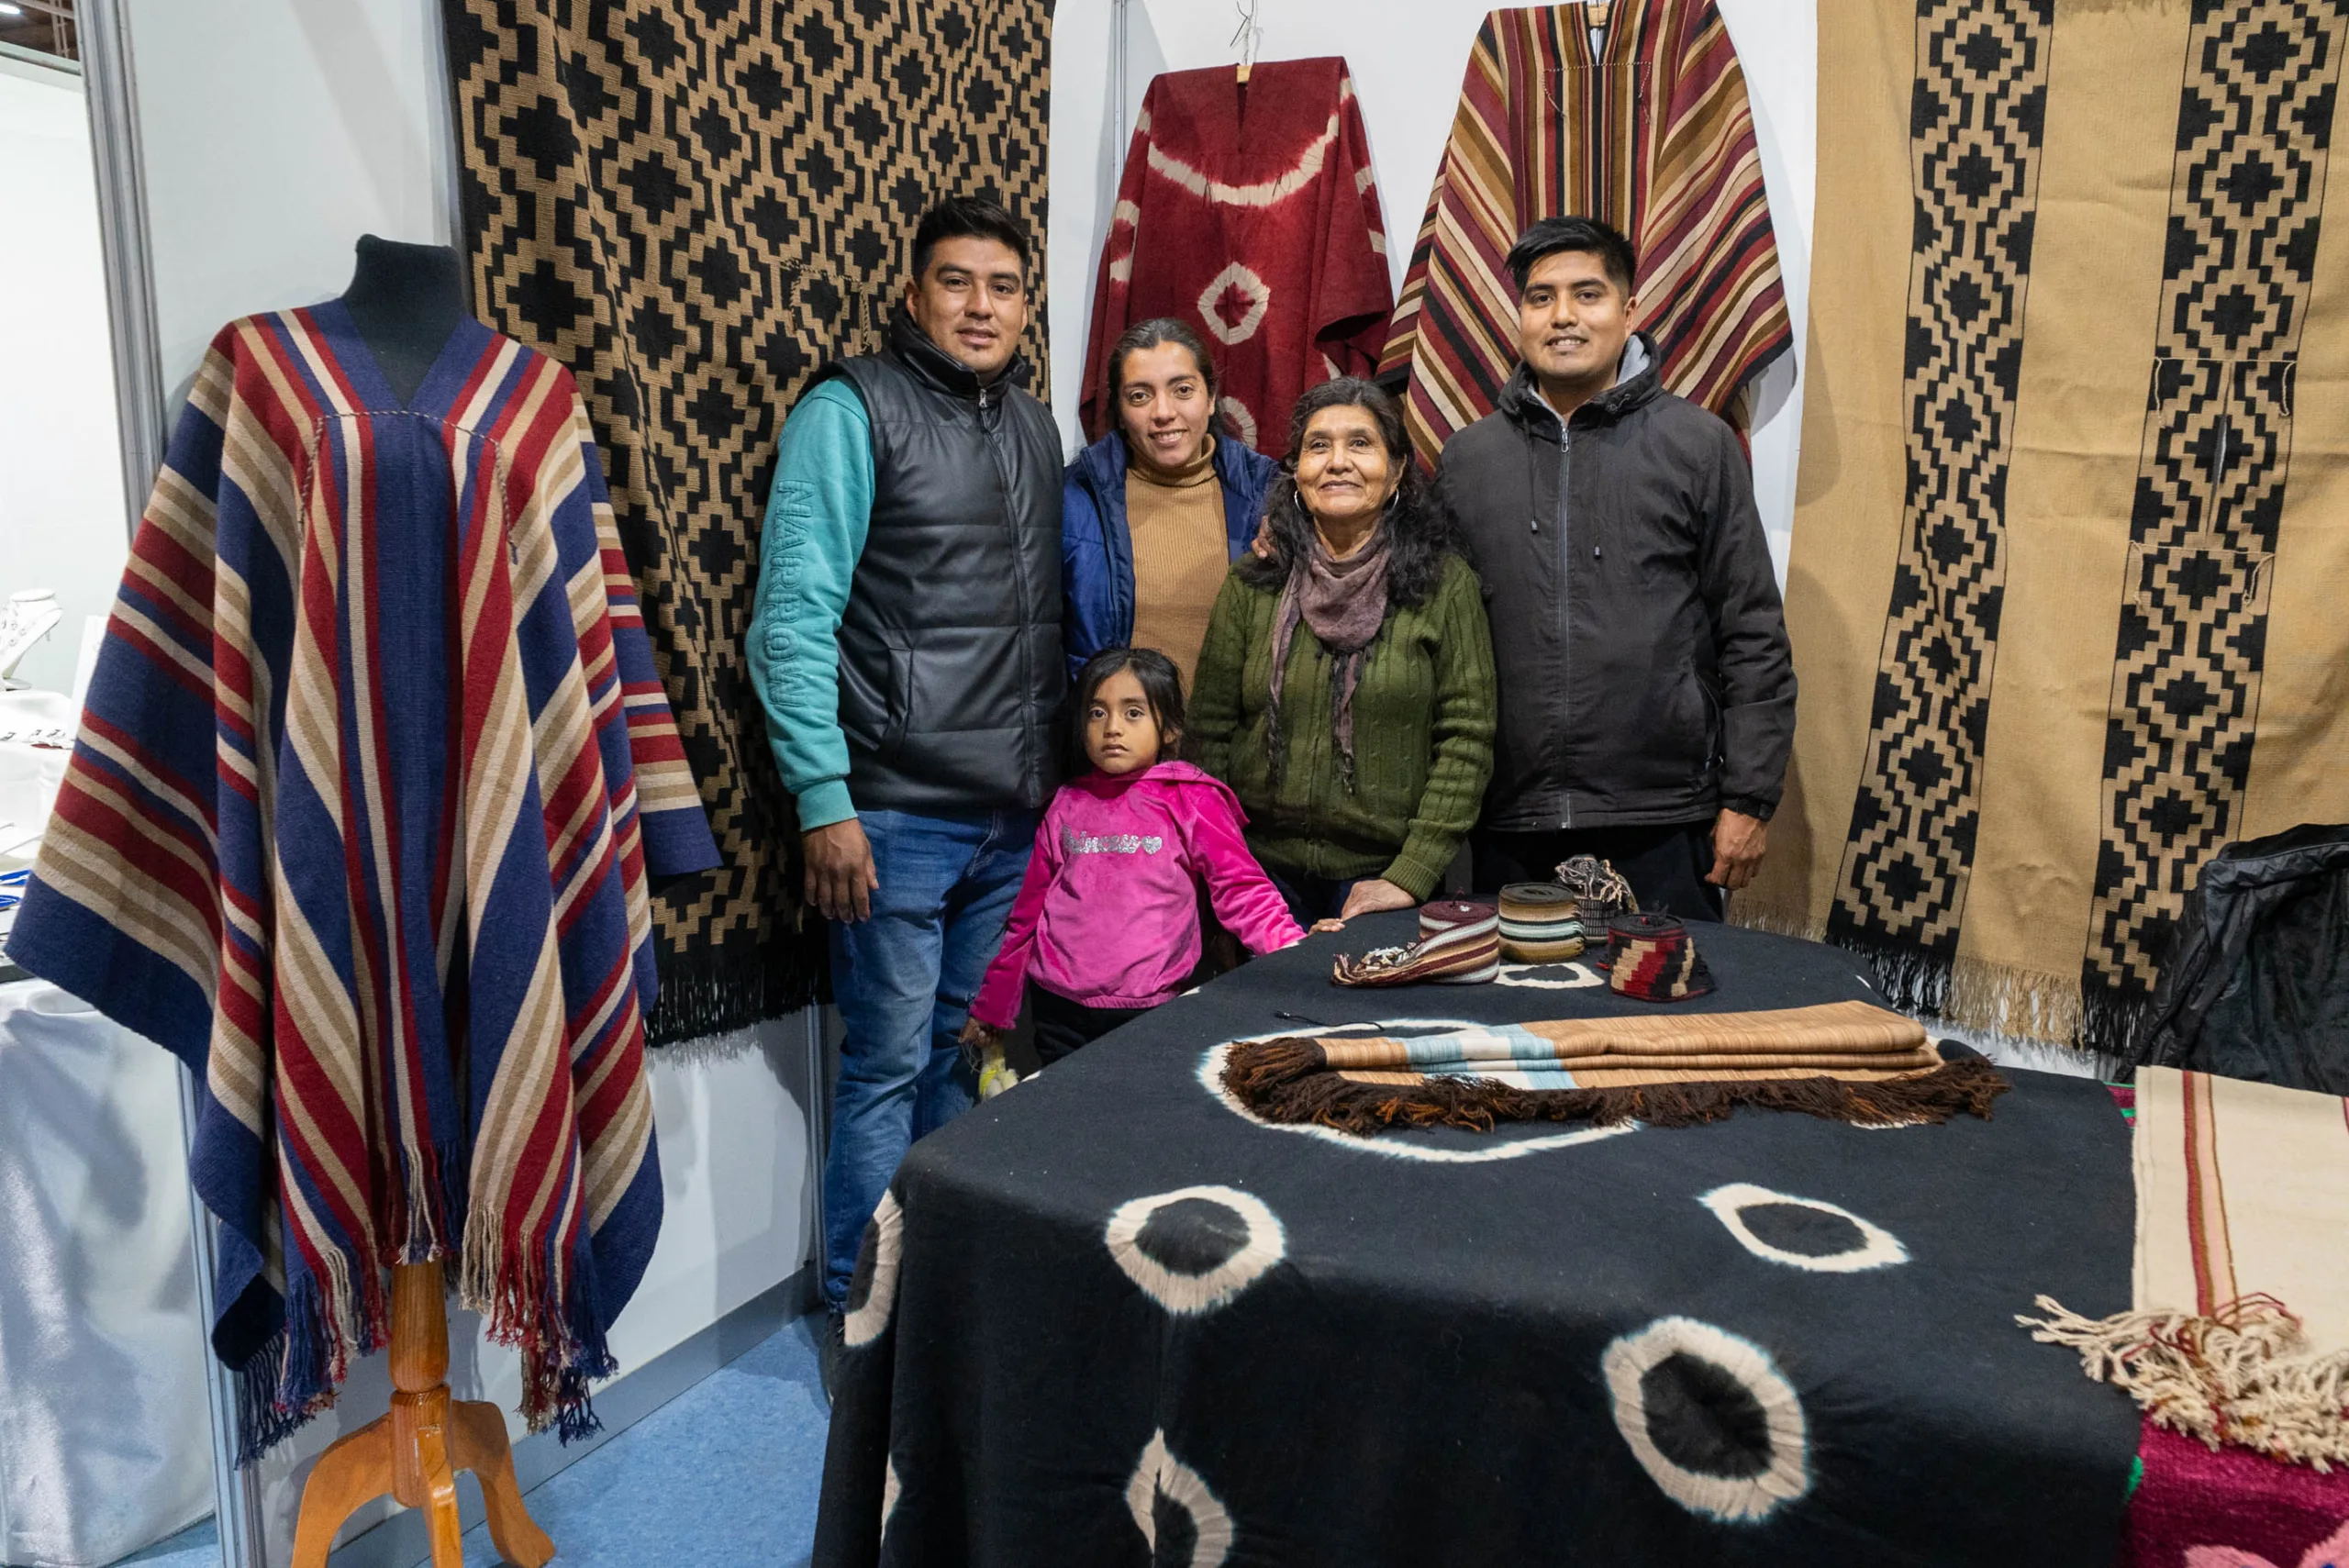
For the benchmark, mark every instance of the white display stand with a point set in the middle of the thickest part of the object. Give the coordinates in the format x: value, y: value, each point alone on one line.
x: 103, y: 1364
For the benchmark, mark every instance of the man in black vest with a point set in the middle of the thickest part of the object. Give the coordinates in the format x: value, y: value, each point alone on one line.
x: 907, y: 647
x: 1647, y: 691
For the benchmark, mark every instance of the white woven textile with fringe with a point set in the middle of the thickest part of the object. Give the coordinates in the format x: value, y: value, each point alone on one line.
x: 2240, y: 1329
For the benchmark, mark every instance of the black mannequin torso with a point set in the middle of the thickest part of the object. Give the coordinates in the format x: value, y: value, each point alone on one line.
x: 406, y: 300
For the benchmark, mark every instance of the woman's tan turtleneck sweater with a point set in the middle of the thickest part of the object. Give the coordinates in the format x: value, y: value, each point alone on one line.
x: 1180, y: 557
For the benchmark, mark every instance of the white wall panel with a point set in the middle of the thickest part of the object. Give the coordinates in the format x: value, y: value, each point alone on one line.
x: 61, y: 481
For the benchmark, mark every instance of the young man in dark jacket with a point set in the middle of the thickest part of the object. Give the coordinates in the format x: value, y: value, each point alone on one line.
x: 906, y: 645
x: 1647, y: 692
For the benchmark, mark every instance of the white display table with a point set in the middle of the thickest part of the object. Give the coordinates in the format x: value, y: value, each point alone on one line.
x: 104, y: 1434
x: 106, y: 1446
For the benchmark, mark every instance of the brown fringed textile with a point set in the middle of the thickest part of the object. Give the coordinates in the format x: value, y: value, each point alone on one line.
x: 694, y: 208
x: 1844, y: 1062
x: 2069, y: 559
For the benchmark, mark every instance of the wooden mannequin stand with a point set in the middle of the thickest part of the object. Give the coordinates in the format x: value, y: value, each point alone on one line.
x: 415, y: 1451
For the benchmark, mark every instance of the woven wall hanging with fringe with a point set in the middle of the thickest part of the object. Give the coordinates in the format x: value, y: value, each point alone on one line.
x: 2067, y: 560
x: 694, y: 208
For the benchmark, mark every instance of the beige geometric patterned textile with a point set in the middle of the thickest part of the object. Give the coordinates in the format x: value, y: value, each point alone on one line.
x: 696, y: 204
x: 2068, y: 555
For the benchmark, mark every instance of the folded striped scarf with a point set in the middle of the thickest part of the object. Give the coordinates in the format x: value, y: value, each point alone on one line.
x: 375, y: 765
x: 1541, y: 923
x: 1459, y: 944
x: 1844, y: 1061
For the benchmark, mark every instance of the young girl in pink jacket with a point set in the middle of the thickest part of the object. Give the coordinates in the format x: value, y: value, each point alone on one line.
x: 1107, y: 925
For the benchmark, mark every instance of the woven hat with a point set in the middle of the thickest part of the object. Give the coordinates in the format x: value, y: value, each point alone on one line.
x: 1651, y: 958
x: 1541, y: 922
x: 1449, y: 913
x: 1459, y: 944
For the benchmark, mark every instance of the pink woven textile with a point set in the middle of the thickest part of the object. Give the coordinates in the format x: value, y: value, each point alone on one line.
x: 2232, y: 1508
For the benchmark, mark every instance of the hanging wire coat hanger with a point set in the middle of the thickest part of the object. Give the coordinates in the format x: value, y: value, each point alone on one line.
x: 1246, y: 37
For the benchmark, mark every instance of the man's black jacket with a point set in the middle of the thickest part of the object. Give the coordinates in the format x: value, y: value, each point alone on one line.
x: 1637, y: 629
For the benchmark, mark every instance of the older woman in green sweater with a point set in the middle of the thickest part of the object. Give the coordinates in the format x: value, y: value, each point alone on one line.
x: 1345, y: 689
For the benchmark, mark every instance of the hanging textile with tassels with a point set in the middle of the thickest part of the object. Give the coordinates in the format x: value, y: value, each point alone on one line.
x: 2068, y: 560
x: 2239, y: 1330
x: 695, y: 208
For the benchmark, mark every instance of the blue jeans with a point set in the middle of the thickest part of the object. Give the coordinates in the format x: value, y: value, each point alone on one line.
x: 903, y: 981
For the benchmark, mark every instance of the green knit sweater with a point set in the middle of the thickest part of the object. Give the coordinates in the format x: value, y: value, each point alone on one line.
x: 1423, y: 735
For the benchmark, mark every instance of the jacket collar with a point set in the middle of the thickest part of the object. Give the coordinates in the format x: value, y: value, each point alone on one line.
x: 1522, y: 401
x: 1165, y: 774
x: 912, y: 347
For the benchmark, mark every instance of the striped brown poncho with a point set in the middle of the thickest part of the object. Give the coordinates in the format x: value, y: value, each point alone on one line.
x: 1642, y: 123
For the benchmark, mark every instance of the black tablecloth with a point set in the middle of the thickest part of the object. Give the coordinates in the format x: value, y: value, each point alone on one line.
x: 1543, y: 1345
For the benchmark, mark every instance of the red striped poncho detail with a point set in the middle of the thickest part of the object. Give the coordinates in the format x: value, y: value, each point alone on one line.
x: 1649, y: 129
x: 373, y: 768
x: 1249, y: 213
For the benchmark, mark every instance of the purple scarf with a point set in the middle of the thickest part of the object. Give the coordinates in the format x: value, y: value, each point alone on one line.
x: 1344, y: 602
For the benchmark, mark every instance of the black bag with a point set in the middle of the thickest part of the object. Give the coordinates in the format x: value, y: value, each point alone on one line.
x: 2258, y: 987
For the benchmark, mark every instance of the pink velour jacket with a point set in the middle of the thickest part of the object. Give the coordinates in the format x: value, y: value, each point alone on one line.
x: 1110, y: 913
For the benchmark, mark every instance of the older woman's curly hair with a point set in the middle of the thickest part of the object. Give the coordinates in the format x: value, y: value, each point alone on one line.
x: 1418, y: 531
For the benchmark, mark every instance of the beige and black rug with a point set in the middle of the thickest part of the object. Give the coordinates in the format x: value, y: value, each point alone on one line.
x: 2069, y: 548
x: 694, y: 206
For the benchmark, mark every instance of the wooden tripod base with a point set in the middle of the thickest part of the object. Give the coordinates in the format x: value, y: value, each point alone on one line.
x: 415, y: 1451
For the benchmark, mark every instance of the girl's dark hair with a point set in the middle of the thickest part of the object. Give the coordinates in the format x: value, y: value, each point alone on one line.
x: 1418, y: 531
x: 1162, y: 688
x: 1157, y: 331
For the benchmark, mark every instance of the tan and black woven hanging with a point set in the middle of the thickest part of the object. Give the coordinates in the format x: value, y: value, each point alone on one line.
x: 2068, y: 555
x: 694, y: 206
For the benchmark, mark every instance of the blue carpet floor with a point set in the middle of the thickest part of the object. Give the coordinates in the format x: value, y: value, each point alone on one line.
x: 724, y: 1474
x: 198, y: 1546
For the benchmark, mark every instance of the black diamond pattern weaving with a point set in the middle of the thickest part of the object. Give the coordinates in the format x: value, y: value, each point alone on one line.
x: 2254, y: 128
x: 1973, y: 126
x: 695, y: 206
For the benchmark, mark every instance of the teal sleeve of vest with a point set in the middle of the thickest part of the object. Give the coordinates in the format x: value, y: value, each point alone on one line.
x: 818, y: 517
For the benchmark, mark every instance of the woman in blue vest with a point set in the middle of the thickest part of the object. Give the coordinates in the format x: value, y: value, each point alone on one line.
x: 1153, y: 513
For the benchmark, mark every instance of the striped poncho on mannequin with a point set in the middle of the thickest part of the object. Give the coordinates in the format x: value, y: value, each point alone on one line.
x: 1642, y: 123
x: 373, y: 767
